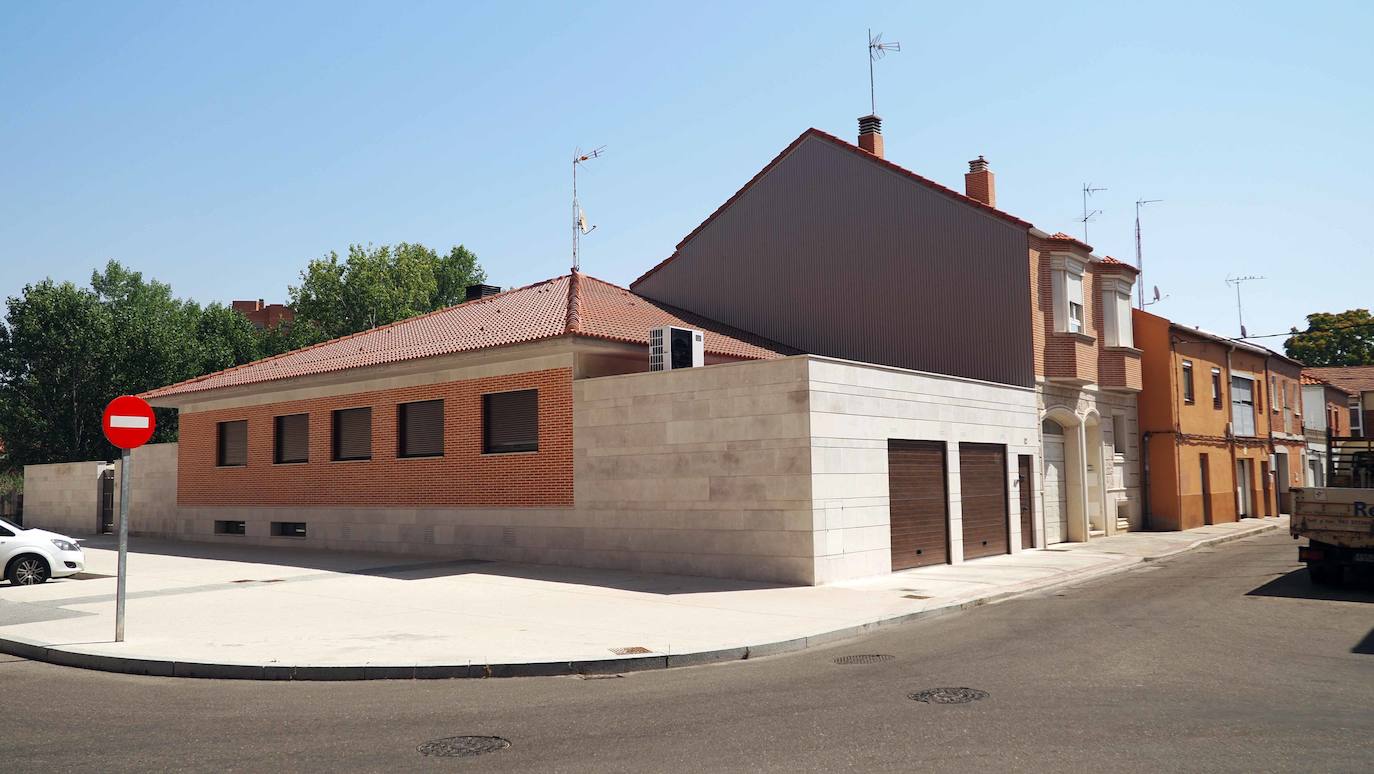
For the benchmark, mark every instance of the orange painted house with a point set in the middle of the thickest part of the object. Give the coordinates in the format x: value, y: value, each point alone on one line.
x: 1221, y: 426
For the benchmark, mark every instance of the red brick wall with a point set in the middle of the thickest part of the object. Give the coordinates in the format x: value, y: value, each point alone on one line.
x: 463, y: 477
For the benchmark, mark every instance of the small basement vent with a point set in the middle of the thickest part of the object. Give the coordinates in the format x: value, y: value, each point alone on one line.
x: 672, y: 348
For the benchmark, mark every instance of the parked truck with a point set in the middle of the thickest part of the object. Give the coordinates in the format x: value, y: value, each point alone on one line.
x: 1338, y: 519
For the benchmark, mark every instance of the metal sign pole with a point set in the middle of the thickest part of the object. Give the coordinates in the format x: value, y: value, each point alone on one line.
x: 122, y: 581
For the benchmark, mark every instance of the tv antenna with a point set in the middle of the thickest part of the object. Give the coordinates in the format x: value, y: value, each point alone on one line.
x: 1238, y: 281
x: 1088, y: 190
x: 1139, y: 259
x: 877, y: 49
x: 579, y: 225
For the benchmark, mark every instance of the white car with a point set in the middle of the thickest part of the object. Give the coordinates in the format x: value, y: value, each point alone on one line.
x: 31, y: 556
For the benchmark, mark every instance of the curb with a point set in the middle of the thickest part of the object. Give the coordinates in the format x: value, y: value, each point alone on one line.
x: 37, y: 651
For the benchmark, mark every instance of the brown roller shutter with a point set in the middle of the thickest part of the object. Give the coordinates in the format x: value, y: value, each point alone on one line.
x: 510, y: 421
x: 353, y: 434
x: 983, y: 492
x: 233, y: 443
x: 421, y: 428
x: 918, y: 504
x: 293, y: 438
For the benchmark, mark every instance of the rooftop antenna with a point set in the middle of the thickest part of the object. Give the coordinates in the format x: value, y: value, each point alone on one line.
x: 580, y: 228
x: 877, y: 49
x: 1139, y: 259
x: 1238, y: 281
x: 1088, y: 190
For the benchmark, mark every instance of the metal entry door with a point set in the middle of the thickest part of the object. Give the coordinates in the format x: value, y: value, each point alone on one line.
x: 983, y: 492
x: 918, y: 506
x: 1025, y: 488
x: 107, y: 501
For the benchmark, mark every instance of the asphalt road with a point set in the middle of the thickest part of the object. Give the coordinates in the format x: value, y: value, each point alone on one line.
x: 1223, y: 659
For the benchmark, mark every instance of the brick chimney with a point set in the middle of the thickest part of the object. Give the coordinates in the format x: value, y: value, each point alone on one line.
x: 980, y: 183
x: 871, y: 135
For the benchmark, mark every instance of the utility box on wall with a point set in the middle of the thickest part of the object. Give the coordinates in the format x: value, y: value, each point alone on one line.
x: 672, y: 348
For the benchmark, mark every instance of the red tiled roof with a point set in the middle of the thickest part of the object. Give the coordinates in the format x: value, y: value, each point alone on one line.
x: 813, y: 132
x: 1060, y: 236
x: 569, y: 305
x: 1352, y: 379
x: 1115, y: 264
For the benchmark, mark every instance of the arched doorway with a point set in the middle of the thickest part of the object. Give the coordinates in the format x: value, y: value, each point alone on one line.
x: 1054, y: 481
x: 1063, y: 476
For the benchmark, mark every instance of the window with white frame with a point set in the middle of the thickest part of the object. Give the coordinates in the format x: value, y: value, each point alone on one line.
x: 1243, y: 405
x: 1116, y: 312
x: 1068, y: 293
x: 1356, y: 418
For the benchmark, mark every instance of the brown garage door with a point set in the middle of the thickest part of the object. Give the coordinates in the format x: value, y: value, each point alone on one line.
x: 983, y: 491
x: 919, y: 517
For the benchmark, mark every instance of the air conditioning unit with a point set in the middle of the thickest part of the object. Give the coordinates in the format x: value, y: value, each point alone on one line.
x: 671, y: 348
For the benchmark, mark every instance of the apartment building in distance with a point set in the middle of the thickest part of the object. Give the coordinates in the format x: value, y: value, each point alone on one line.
x: 1220, y: 423
x: 1358, y: 383
x: 1325, y: 414
x: 264, y: 315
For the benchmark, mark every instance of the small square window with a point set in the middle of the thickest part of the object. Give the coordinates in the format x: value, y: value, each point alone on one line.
x: 420, y: 429
x: 292, y: 442
x: 353, y: 434
x: 231, y: 528
x: 510, y: 422
x: 232, y: 442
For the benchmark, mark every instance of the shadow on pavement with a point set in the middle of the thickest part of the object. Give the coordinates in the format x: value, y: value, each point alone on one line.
x: 1366, y: 645
x: 400, y: 567
x: 1297, y: 585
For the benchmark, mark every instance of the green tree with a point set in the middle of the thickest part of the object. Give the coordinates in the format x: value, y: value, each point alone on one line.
x: 376, y: 285
x: 1344, y: 339
x: 55, y: 375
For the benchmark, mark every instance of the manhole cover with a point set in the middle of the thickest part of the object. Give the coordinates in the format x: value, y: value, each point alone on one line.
x: 948, y: 695
x: 864, y: 658
x: 462, y: 746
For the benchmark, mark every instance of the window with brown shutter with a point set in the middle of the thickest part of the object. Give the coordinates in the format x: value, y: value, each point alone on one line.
x: 233, y: 443
x: 420, y: 429
x: 510, y: 422
x: 293, y: 439
x: 353, y: 434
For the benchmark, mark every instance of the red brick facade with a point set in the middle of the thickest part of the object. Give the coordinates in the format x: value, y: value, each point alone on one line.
x: 462, y: 477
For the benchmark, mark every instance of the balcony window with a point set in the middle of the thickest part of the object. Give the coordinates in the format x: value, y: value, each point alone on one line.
x: 1116, y: 312
x: 1067, y: 285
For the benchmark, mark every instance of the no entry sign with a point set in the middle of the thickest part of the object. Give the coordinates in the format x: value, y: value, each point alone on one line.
x: 128, y: 422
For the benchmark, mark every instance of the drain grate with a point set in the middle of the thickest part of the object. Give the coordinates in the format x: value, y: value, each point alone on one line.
x: 462, y: 746
x: 631, y: 651
x: 864, y: 658
x: 948, y: 695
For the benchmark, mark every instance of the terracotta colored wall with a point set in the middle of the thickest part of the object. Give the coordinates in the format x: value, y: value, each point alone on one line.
x: 464, y: 476
x: 1221, y: 487
x: 1159, y: 381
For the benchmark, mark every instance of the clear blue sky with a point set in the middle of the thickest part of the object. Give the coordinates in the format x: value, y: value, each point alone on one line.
x: 218, y: 147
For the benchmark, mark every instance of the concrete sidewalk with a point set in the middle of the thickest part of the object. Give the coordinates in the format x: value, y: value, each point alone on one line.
x: 202, y: 610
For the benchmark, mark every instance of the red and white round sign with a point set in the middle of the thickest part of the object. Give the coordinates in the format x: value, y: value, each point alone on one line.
x: 128, y: 422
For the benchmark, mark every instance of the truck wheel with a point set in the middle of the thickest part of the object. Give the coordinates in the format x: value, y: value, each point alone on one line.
x: 1324, y: 575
